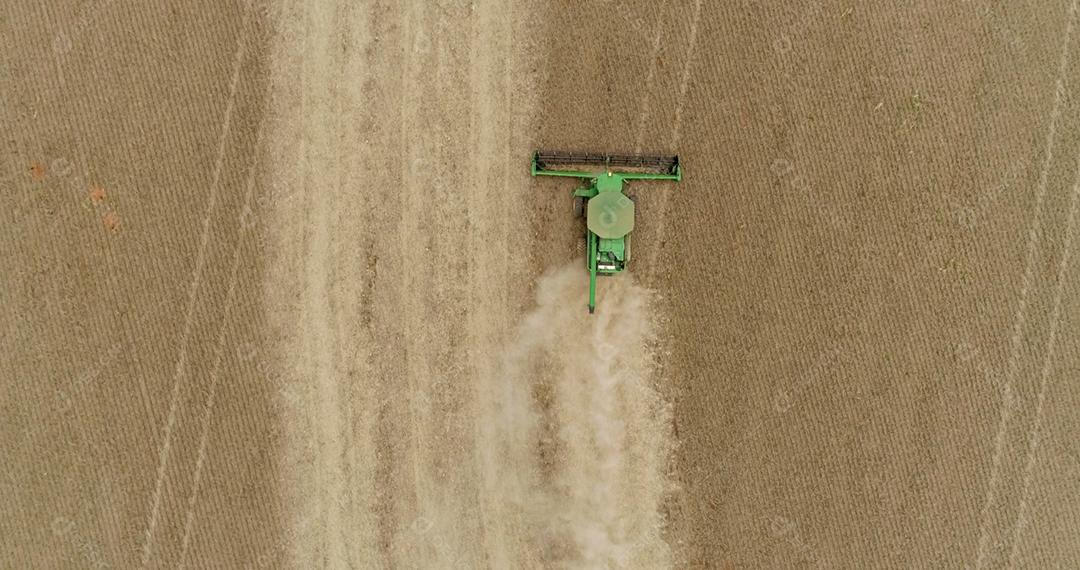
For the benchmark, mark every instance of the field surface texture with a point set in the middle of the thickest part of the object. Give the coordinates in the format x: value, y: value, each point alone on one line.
x: 278, y: 291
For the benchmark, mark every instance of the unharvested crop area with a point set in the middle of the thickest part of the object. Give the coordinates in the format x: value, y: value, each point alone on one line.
x: 276, y: 289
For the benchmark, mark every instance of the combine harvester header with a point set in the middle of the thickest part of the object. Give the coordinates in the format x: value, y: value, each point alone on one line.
x: 609, y: 213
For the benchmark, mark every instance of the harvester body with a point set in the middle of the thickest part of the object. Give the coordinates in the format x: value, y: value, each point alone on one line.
x: 609, y: 213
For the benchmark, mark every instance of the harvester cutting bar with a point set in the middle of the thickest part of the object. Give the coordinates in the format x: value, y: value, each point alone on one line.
x: 660, y: 164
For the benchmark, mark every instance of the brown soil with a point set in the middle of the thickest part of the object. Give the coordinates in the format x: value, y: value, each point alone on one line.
x: 136, y: 430
x: 277, y: 288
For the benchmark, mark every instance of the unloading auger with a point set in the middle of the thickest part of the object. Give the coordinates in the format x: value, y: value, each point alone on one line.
x: 609, y: 213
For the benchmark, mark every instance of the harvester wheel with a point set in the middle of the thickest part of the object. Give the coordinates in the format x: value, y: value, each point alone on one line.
x: 626, y: 249
x: 579, y: 206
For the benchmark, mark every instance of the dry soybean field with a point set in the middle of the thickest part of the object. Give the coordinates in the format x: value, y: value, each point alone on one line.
x: 277, y: 289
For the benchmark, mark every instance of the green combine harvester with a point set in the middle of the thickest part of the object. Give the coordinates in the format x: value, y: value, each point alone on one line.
x: 609, y: 213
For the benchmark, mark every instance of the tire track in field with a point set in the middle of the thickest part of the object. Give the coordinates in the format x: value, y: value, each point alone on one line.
x: 654, y: 55
x: 676, y: 130
x: 1020, y: 318
x: 215, y: 370
x: 1035, y: 435
x: 181, y: 362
